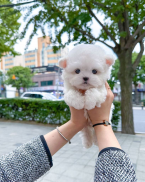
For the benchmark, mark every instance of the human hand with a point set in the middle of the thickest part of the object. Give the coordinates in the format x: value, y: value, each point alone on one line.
x: 78, y: 118
x: 99, y: 114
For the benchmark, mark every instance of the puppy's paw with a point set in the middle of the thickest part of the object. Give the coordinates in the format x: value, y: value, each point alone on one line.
x: 75, y: 99
x: 101, y: 100
x: 91, y: 98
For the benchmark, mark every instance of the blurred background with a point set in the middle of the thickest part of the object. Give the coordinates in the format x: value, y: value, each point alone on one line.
x: 36, y: 34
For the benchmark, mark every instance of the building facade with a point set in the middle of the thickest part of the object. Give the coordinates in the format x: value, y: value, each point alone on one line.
x: 43, y: 56
x: 9, y: 61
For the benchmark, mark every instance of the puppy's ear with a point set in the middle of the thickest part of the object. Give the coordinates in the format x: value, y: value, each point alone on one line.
x: 62, y: 62
x: 109, y: 60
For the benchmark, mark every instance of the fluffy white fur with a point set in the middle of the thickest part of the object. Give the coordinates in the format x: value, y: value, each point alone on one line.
x: 86, y: 57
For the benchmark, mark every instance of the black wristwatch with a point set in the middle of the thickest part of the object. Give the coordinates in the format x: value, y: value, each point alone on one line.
x: 105, y: 123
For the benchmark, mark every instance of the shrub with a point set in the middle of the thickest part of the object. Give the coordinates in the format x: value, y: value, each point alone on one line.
x: 143, y: 102
x: 42, y: 111
x: 116, y: 115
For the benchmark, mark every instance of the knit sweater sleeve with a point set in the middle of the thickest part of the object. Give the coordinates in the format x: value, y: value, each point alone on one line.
x: 26, y: 163
x: 113, y: 164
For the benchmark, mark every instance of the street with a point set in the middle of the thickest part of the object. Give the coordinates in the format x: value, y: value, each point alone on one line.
x: 139, y: 120
x: 72, y: 163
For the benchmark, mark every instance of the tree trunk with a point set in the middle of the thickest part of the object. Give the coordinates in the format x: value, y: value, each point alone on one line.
x: 125, y: 77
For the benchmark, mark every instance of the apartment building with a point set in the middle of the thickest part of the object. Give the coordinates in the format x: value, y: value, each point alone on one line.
x: 43, y: 56
x: 9, y: 61
x: 46, y: 56
x: 31, y: 58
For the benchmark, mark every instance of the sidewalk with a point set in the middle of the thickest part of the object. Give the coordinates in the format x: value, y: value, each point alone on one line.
x: 72, y: 163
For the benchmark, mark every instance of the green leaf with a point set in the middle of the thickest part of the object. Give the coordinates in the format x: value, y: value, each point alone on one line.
x: 23, y: 77
x: 9, y: 27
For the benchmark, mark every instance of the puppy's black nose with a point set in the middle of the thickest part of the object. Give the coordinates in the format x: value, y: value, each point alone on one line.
x: 85, y: 78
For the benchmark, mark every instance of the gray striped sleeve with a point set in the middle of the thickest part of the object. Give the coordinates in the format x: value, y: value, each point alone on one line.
x: 27, y: 163
x: 114, y: 165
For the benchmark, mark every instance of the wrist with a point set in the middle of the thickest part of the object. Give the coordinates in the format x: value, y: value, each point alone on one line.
x: 76, y: 125
x: 99, y: 121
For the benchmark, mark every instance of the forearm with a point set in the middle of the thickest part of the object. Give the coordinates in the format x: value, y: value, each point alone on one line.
x: 106, y: 137
x: 113, y: 164
x: 26, y: 163
x: 55, y: 141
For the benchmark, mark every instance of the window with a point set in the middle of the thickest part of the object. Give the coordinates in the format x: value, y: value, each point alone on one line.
x: 36, y: 84
x: 8, y: 64
x: 51, y: 58
x: 30, y: 61
x: 27, y: 95
x: 43, y: 45
x: 42, y: 57
x: 31, y: 55
x: 52, y: 64
x: 51, y: 52
x: 49, y: 47
x: 10, y: 59
x: 31, y: 66
x: 49, y: 96
x: 46, y: 83
x: 37, y: 96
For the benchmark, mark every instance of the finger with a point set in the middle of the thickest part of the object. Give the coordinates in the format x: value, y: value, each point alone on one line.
x: 107, y: 85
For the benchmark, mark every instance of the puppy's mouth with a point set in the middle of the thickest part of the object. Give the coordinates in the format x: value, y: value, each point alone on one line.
x: 85, y: 82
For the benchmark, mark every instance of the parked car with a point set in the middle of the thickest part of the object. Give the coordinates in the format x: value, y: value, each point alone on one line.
x: 38, y: 95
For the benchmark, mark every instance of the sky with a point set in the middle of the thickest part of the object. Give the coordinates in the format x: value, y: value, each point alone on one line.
x: 21, y: 44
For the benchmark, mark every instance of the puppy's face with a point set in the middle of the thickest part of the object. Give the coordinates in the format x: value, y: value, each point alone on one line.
x: 85, y: 75
x: 86, y: 68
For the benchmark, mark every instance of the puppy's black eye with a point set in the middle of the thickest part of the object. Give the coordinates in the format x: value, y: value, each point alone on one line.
x: 77, y: 71
x: 94, y: 71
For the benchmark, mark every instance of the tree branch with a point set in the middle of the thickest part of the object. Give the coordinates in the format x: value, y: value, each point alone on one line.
x: 136, y: 62
x: 139, y: 29
x: 126, y: 20
x: 63, y: 18
x: 105, y: 29
x: 92, y: 37
x: 99, y: 4
x: 126, y: 23
x: 139, y: 39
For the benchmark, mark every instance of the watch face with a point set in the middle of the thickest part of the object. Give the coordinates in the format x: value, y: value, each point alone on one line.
x: 107, y: 123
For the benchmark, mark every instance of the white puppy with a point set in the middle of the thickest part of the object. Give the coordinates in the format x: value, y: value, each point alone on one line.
x: 87, y: 68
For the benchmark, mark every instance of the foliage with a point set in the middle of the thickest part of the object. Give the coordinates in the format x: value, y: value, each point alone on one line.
x: 74, y: 19
x: 42, y: 111
x: 116, y: 115
x: 143, y: 102
x: 9, y: 27
x: 122, y: 28
x: 139, y: 75
x: 23, y: 77
x: 1, y: 73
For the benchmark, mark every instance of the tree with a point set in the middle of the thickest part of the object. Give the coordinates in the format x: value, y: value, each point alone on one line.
x: 122, y: 29
x: 139, y: 75
x: 9, y: 27
x: 18, y: 77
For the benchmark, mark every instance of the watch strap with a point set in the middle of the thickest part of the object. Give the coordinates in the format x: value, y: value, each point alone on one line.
x: 105, y: 123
